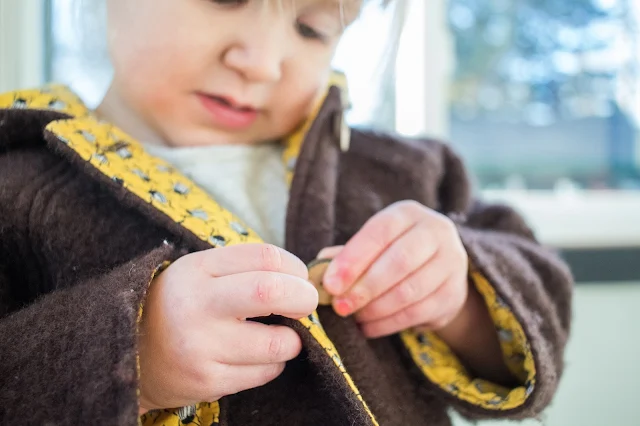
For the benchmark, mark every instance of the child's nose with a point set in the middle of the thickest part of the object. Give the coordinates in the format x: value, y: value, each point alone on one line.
x: 259, y: 56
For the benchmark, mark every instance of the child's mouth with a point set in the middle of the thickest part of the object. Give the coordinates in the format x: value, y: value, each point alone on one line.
x: 225, y: 112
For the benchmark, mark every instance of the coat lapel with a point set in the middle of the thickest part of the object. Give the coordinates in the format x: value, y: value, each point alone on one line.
x: 310, y: 214
x: 80, y: 136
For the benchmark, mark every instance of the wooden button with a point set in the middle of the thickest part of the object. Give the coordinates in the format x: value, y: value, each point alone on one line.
x: 317, y: 268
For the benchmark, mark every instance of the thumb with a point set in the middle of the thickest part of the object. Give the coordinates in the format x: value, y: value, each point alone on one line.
x: 329, y: 252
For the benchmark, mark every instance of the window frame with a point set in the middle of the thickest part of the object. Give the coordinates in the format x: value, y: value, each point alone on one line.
x: 24, y: 33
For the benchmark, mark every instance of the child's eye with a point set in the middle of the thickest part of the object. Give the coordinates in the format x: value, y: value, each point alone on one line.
x: 307, y: 31
x: 230, y: 2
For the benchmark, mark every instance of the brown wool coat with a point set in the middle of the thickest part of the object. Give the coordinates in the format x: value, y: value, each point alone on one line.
x: 77, y: 251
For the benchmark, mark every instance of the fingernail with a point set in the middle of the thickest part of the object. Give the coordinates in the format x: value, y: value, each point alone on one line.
x: 331, y: 281
x: 343, y: 307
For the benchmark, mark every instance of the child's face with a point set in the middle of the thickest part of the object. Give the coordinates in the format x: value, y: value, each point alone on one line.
x: 199, y: 72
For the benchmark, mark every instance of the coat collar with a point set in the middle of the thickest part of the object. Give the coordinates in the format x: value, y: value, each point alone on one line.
x: 78, y: 134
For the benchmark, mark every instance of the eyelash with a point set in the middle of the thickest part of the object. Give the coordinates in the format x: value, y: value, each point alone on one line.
x: 304, y: 30
x: 309, y: 33
x: 231, y: 3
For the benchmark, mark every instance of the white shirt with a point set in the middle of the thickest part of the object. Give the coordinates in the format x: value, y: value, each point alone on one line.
x: 247, y: 180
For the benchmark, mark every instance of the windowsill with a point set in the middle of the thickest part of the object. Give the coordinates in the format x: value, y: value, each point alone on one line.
x: 577, y: 219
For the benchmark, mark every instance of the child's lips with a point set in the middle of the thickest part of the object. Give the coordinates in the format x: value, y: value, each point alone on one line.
x: 228, y: 113
x: 228, y: 100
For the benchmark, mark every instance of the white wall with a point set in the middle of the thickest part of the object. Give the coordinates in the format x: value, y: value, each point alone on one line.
x: 600, y: 385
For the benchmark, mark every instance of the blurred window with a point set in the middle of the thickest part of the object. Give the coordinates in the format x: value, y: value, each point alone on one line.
x: 546, y: 94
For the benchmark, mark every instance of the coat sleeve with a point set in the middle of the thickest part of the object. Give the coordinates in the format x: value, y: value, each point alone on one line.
x: 528, y: 291
x: 69, y: 357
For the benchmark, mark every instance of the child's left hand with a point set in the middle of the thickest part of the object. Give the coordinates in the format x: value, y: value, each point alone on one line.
x: 406, y: 267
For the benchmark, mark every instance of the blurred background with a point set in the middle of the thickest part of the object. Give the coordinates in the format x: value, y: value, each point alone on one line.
x: 542, y: 99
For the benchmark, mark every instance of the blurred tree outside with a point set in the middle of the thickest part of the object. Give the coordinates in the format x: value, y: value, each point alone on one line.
x: 547, y: 91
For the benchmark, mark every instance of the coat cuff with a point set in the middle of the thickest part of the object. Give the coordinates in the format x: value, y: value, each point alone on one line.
x: 161, y: 267
x: 442, y: 367
x: 206, y: 413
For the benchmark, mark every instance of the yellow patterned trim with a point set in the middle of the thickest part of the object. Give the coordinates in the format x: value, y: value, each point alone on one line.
x: 204, y: 414
x: 123, y: 160
x: 441, y: 366
x: 52, y: 97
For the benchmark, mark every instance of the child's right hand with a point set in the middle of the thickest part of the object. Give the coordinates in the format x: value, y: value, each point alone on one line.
x: 194, y: 342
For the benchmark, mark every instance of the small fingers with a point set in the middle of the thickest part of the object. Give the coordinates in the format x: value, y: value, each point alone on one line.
x: 433, y: 312
x: 226, y: 380
x: 241, y: 258
x: 258, y: 294
x: 377, y: 234
x: 260, y: 344
x: 402, y: 259
x: 414, y: 288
